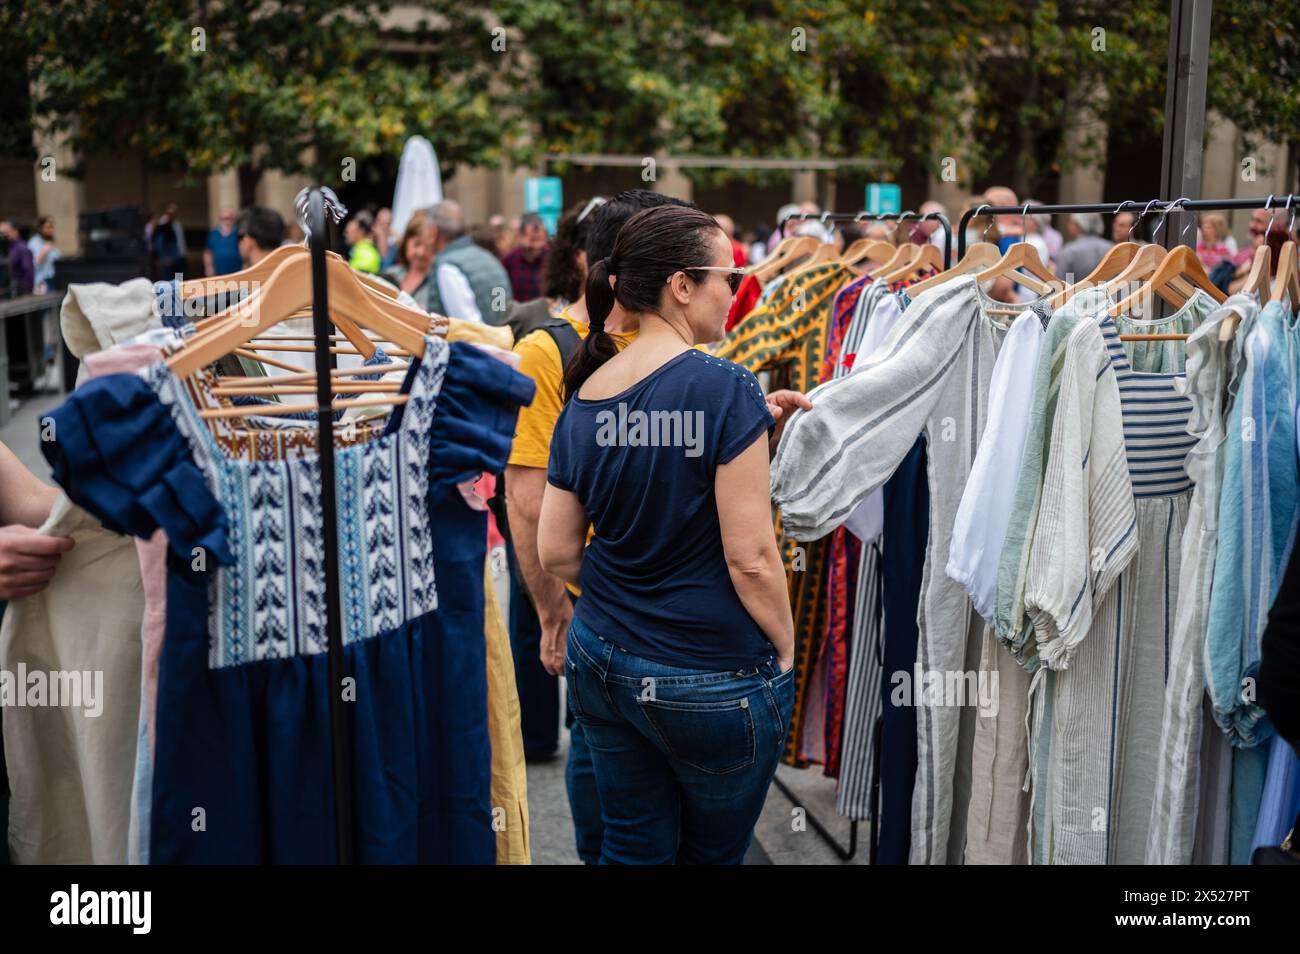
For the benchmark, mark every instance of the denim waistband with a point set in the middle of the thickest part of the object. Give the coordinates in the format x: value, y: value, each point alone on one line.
x: 621, y: 665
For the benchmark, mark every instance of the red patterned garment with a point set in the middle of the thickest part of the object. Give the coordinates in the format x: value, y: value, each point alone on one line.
x: 747, y: 296
x: 841, y: 315
x: 845, y: 562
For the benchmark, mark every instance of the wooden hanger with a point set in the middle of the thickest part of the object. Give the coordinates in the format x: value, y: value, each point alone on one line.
x: 259, y: 273
x: 928, y: 259
x: 979, y: 256
x: 1111, y: 264
x: 1181, y: 262
x: 1039, y: 277
x: 1287, y: 282
x: 903, y: 255
x: 800, y: 247
x: 289, y: 290
x: 1144, y: 264
x: 415, y: 319
x: 218, y: 284
x: 770, y: 257
x: 781, y: 247
x: 221, y: 284
x: 873, y: 250
x: 1177, y: 292
x: 1257, y: 278
x: 823, y: 255
x: 258, y: 386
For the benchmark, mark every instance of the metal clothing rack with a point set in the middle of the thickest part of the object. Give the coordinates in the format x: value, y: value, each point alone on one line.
x: 1173, y: 236
x: 843, y: 853
x: 824, y: 217
x: 340, y: 717
x: 1162, y: 207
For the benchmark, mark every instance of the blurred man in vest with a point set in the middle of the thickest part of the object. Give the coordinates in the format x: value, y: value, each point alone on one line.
x: 471, y: 282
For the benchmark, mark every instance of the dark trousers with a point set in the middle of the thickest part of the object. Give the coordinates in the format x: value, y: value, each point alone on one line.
x: 907, y: 524
x: 539, y: 691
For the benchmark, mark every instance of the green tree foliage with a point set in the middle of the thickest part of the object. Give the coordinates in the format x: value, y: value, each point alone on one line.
x: 1255, y: 68
x: 836, y: 79
x: 298, y: 85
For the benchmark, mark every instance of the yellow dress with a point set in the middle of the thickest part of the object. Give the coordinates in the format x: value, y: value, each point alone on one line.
x: 509, y: 775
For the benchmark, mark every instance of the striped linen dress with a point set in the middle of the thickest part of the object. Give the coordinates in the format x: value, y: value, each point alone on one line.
x: 1102, y: 589
x: 999, y: 807
x: 930, y: 375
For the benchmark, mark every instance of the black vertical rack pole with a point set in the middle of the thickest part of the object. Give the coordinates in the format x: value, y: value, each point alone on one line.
x: 1189, y: 55
x: 340, y: 728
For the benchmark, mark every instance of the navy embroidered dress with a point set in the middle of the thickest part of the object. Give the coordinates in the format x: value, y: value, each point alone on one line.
x: 242, y: 762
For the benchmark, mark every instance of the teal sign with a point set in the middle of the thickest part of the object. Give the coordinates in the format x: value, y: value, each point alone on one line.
x: 884, y: 198
x: 545, y: 196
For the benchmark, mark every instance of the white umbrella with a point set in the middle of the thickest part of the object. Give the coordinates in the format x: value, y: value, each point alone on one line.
x: 419, y: 183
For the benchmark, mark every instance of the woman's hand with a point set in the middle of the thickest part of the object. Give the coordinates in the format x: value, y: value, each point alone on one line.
x: 28, y: 560
x: 786, y: 663
x: 782, y: 404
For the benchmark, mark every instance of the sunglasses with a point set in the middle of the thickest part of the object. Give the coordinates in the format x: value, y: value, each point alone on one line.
x: 734, y: 274
x: 595, y: 203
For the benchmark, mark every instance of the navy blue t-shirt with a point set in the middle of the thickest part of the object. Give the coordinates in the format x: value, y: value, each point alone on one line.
x: 654, y: 579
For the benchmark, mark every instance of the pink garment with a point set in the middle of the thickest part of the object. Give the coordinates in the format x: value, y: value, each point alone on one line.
x: 127, y: 359
x: 476, y: 493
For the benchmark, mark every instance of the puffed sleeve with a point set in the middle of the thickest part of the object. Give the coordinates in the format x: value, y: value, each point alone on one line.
x: 1086, y: 532
x: 474, y: 424
x: 117, y: 453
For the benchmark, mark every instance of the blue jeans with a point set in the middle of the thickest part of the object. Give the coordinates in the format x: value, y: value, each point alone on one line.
x: 683, y: 758
x: 580, y: 782
x: 584, y: 798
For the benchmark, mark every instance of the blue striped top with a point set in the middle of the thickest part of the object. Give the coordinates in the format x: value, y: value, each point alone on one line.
x: 1156, y: 415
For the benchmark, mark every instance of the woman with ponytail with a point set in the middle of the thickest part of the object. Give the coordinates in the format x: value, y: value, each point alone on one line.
x: 680, y: 650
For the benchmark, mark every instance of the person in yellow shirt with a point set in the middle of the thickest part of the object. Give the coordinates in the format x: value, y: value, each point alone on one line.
x: 541, y: 359
x: 542, y: 354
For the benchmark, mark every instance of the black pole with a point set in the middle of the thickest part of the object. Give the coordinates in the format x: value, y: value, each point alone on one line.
x: 1189, y: 54
x: 340, y: 729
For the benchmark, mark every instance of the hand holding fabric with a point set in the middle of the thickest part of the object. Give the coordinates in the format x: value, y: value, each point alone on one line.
x: 28, y: 560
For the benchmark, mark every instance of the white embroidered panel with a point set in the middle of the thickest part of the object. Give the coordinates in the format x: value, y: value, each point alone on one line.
x: 271, y: 603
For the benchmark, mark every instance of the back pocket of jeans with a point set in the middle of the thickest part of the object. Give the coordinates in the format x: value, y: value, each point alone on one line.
x: 714, y: 737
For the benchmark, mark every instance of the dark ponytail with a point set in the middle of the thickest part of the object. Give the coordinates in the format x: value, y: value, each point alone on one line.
x: 598, y: 347
x: 652, y: 246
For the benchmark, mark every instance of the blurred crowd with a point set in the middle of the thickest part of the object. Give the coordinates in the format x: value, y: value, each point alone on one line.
x: 527, y: 252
